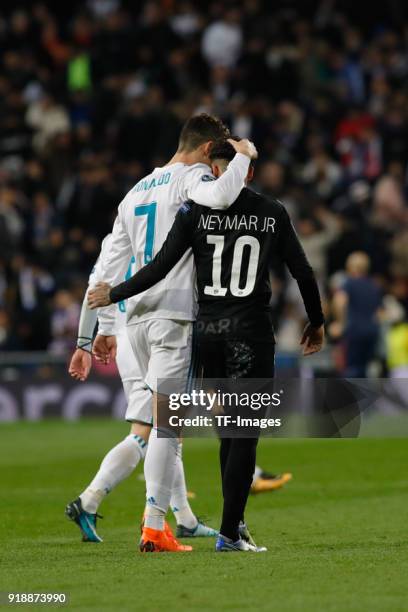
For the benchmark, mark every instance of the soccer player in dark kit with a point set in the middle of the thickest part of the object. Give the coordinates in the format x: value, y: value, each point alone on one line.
x: 233, y: 252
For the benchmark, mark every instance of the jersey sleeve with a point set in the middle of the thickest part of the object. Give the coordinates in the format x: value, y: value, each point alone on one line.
x: 220, y: 193
x: 178, y: 241
x: 293, y: 255
x: 88, y: 317
x: 114, y: 262
x: 117, y: 252
x: 86, y: 327
x: 96, y: 272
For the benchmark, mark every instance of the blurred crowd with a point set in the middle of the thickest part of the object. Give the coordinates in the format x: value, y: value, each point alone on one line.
x: 93, y: 94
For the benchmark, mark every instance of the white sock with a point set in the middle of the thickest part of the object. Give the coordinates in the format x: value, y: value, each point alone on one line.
x: 154, y: 517
x: 159, y: 469
x: 117, y: 465
x: 179, y: 502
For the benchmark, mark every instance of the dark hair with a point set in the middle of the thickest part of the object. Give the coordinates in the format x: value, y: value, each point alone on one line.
x: 222, y: 149
x: 201, y: 129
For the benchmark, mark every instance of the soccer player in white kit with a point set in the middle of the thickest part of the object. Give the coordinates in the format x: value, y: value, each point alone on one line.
x: 122, y: 460
x: 159, y: 321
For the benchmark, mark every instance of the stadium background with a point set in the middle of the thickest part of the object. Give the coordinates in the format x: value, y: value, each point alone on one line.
x: 93, y: 95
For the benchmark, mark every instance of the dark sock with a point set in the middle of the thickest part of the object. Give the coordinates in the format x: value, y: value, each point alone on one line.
x: 225, y: 444
x: 237, y: 478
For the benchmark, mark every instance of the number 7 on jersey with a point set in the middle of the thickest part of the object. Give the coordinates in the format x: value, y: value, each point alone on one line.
x: 150, y: 211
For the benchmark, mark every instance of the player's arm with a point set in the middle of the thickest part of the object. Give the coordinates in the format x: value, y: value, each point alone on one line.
x: 178, y: 241
x: 87, y: 324
x: 81, y: 361
x: 114, y: 263
x: 220, y: 193
x: 295, y: 258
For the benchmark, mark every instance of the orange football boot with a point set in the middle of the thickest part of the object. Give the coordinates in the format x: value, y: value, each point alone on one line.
x: 167, y: 529
x: 154, y: 540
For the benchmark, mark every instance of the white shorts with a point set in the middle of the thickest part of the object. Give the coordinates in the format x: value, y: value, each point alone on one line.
x: 162, y: 348
x: 138, y: 395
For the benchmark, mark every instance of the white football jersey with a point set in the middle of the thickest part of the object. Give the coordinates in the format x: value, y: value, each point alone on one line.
x: 125, y: 360
x: 144, y: 219
x: 96, y: 275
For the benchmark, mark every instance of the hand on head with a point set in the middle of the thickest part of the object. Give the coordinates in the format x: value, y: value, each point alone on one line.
x: 245, y: 146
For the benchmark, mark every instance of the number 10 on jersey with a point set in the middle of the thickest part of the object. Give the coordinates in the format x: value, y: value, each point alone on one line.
x: 216, y: 288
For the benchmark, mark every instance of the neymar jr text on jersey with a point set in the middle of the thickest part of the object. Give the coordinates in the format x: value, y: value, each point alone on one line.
x: 236, y: 222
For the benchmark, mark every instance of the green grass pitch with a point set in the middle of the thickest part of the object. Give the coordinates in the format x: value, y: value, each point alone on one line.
x: 337, y: 534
